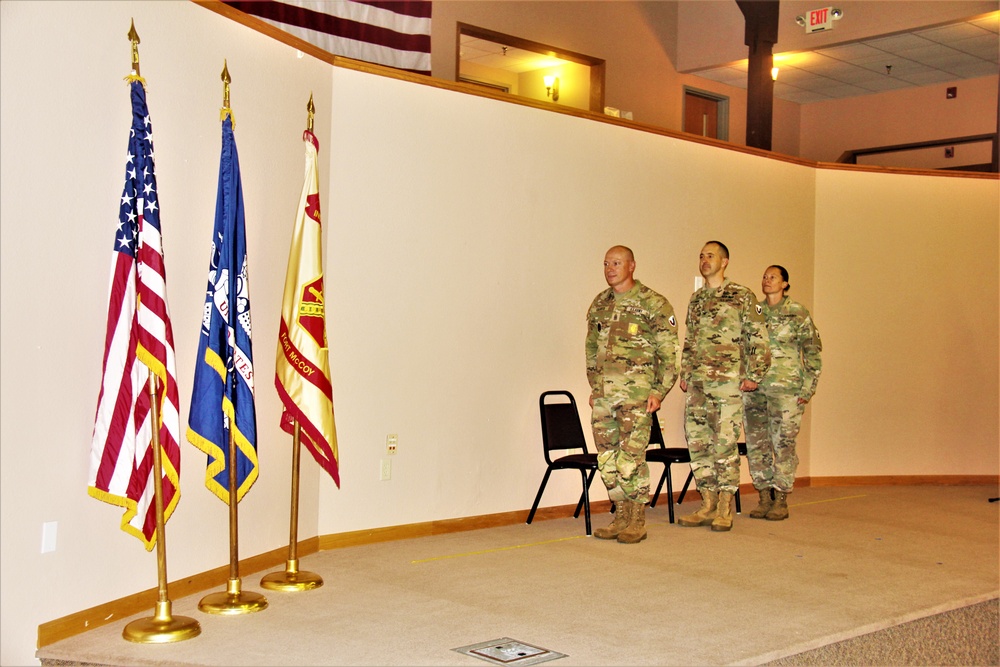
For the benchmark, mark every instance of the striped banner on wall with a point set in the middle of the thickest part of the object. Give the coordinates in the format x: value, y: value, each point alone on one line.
x: 396, y: 34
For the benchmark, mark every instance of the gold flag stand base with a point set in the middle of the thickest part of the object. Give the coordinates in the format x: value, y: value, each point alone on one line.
x: 291, y: 579
x: 233, y: 601
x: 162, y: 628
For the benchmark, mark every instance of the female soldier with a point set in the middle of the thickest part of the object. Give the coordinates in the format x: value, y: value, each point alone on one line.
x: 772, y: 413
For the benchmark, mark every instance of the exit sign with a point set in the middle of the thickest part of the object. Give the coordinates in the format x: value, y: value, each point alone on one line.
x: 819, y: 19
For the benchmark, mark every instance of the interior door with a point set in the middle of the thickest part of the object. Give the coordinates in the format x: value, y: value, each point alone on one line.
x: 701, y: 115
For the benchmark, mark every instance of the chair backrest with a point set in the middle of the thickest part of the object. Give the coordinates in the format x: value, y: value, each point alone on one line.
x: 561, y: 427
x: 655, y: 434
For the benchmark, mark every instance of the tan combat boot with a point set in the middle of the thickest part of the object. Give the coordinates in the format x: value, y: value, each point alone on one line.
x: 705, y: 514
x: 764, y: 506
x: 724, y: 520
x: 636, y: 530
x: 779, y: 511
x: 618, y: 524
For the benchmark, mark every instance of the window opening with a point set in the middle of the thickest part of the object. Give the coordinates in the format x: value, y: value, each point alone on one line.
x: 520, y: 67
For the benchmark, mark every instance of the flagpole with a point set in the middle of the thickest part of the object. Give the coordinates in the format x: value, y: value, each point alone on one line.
x: 234, y: 600
x: 293, y: 579
x: 162, y: 627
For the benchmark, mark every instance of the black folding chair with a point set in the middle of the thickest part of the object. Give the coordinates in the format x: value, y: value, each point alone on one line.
x: 660, y: 453
x: 561, y: 430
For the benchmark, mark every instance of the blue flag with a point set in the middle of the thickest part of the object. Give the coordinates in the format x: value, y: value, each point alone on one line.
x: 222, y: 401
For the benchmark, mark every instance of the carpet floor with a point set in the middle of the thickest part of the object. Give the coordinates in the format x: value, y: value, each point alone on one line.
x: 851, y: 565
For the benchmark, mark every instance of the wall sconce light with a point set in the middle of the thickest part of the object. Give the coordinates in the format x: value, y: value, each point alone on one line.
x: 552, y: 87
x: 774, y: 74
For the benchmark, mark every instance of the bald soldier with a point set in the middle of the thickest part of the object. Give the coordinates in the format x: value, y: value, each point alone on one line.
x: 726, y: 353
x: 632, y: 348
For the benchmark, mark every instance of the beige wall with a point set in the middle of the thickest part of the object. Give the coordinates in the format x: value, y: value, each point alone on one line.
x: 871, y: 121
x: 464, y: 239
x: 906, y: 300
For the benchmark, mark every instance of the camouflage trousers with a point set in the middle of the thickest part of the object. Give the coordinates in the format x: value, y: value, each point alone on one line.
x: 621, y: 435
x: 772, y: 419
x: 712, y: 416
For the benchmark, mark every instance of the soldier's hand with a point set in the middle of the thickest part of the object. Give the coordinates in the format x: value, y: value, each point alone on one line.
x: 652, y: 404
x: 683, y: 385
x: 748, y: 385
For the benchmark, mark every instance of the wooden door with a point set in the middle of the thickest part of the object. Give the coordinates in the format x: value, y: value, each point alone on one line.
x: 701, y: 115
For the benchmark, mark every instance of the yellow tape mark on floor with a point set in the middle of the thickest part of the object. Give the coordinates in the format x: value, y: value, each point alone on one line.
x: 490, y: 551
x: 828, y: 500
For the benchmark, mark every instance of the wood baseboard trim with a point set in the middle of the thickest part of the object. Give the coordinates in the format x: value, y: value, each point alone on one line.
x: 88, y: 619
x: 111, y: 612
x: 906, y: 480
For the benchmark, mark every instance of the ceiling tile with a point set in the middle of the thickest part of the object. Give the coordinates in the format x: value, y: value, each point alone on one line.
x: 928, y: 77
x: 851, y: 52
x: 897, y: 43
x: 844, y: 90
x: 951, y: 33
x: 972, y: 70
x: 984, y: 47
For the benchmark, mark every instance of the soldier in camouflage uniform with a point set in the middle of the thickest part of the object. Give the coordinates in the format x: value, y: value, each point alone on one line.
x: 725, y: 354
x: 631, y: 350
x: 773, y: 412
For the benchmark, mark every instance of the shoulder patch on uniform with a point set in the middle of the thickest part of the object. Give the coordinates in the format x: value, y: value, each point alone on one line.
x: 760, y: 311
x: 672, y: 320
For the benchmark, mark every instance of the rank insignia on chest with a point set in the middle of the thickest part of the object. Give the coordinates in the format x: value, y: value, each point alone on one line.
x: 633, y: 329
x: 673, y: 321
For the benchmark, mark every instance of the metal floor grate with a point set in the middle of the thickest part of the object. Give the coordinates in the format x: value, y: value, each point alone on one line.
x: 507, y: 651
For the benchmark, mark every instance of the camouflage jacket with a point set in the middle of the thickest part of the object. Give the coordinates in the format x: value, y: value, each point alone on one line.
x: 632, y: 340
x: 726, y: 340
x: 795, y: 348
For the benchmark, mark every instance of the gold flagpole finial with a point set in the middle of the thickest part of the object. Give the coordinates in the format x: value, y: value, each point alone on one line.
x: 133, y: 37
x: 311, y: 108
x: 226, y: 80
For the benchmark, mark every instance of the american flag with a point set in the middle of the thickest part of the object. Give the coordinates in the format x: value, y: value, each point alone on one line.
x: 396, y: 34
x: 139, y: 345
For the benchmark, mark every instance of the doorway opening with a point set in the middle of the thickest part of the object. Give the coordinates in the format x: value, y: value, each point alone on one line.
x: 706, y: 114
x: 529, y: 69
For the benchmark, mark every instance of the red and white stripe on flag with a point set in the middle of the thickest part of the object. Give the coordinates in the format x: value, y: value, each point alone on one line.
x: 396, y: 34
x: 139, y: 344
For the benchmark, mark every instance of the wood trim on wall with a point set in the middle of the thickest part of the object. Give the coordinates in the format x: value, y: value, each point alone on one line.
x: 111, y: 612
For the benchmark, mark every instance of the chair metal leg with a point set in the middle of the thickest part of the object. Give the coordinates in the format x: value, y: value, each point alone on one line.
x: 664, y: 476
x: 670, y: 493
x: 684, y: 490
x: 538, y: 496
x: 586, y: 496
x: 579, y: 503
x: 737, y: 494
